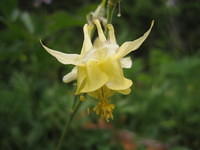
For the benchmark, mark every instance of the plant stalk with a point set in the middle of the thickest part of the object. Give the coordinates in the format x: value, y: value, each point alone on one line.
x: 67, y: 125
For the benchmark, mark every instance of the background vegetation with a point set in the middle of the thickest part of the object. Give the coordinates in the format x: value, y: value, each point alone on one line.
x: 163, y: 110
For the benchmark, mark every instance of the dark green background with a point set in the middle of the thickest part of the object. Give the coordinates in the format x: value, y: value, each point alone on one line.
x: 34, y: 102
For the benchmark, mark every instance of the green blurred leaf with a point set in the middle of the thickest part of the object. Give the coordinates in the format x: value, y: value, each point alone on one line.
x: 60, y: 20
x: 7, y: 7
x: 26, y: 19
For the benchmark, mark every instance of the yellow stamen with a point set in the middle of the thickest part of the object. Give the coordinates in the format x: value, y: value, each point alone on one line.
x: 104, y: 109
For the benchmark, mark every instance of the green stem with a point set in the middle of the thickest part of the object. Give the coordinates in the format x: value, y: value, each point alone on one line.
x: 110, y: 11
x: 67, y: 125
x: 103, y: 2
x: 74, y: 101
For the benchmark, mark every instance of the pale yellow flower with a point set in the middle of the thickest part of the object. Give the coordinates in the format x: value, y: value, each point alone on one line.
x: 99, y: 66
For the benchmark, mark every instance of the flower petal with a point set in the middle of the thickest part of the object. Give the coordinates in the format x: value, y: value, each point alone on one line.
x: 87, y: 44
x: 90, y: 78
x: 100, y: 31
x: 130, y: 46
x: 97, y: 43
x: 125, y: 92
x: 81, y: 78
x: 70, y: 76
x: 62, y: 57
x: 126, y: 62
x: 111, y: 33
x: 102, y: 93
x: 116, y: 81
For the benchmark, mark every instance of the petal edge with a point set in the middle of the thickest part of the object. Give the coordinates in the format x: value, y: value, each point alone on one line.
x: 130, y: 46
x: 62, y: 57
x: 70, y: 76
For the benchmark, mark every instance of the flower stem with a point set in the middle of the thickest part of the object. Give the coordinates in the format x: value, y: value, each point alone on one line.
x: 104, y: 2
x: 110, y: 11
x: 67, y: 125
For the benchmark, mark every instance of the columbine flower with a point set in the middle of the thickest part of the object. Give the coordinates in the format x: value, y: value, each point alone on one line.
x: 98, y: 69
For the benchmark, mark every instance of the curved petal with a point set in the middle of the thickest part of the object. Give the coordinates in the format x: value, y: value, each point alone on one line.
x: 126, y: 62
x: 87, y: 44
x: 62, y: 57
x: 130, y: 46
x: 81, y: 78
x: 97, y: 43
x: 125, y: 92
x: 111, y: 33
x: 113, y: 70
x: 102, y: 93
x: 100, y: 31
x: 70, y: 76
x: 90, y: 78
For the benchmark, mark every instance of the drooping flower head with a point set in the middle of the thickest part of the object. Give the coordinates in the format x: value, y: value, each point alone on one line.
x: 98, y: 68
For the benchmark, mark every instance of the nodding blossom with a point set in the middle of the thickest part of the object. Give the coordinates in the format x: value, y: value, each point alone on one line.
x: 99, y: 67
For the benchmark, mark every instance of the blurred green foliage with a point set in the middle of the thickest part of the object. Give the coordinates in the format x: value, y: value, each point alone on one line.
x: 35, y: 104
